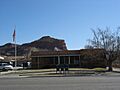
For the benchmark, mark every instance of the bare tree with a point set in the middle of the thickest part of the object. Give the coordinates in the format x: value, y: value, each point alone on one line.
x: 88, y: 47
x: 107, y: 40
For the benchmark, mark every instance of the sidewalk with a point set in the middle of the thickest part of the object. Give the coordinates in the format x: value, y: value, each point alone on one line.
x: 52, y: 73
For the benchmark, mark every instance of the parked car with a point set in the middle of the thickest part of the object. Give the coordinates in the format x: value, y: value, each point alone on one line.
x: 5, y: 66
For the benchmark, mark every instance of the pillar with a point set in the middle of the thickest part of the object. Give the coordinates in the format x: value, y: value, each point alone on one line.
x: 69, y: 60
x: 58, y: 59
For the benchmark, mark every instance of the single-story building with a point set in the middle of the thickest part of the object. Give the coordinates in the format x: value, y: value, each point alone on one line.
x: 88, y: 58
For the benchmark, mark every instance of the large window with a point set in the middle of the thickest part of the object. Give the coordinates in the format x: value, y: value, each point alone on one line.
x: 66, y: 60
x: 76, y: 60
x: 71, y: 59
x: 56, y: 60
x: 61, y: 60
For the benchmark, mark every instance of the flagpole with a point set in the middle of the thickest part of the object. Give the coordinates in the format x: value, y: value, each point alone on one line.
x: 15, y: 54
x: 14, y: 40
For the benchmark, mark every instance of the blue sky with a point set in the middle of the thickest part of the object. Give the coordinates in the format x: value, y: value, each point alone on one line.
x: 70, y: 20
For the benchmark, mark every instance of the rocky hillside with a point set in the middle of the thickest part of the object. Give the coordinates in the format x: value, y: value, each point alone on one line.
x: 44, y: 43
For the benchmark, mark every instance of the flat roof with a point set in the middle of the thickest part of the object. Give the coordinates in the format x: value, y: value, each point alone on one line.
x: 56, y: 53
x: 66, y: 52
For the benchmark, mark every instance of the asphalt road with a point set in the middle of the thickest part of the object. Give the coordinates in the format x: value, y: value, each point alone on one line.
x: 61, y: 83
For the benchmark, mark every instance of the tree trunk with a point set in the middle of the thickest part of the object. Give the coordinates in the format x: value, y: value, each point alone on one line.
x: 110, y: 66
